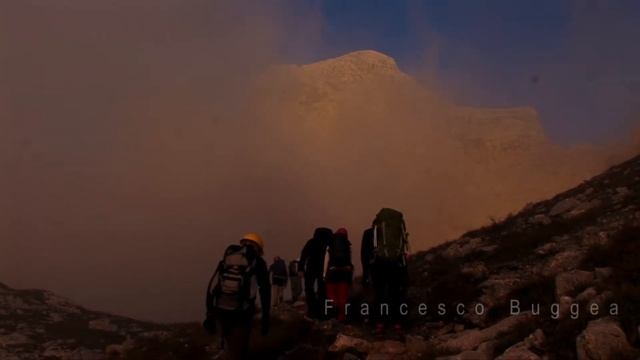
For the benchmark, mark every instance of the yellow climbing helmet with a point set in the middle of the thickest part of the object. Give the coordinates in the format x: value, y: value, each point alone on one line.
x: 254, y: 238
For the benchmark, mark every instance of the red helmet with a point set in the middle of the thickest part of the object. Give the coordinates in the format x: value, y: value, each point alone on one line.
x: 342, y: 232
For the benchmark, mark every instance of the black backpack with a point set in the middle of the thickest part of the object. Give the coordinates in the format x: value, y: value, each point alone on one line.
x: 340, y: 251
x: 279, y: 272
x: 390, y: 237
x: 235, y: 284
x: 293, y: 268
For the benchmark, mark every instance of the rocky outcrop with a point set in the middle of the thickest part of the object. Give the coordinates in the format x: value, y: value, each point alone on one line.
x: 566, y: 262
x: 472, y: 339
x: 568, y: 283
x: 37, y: 324
x: 604, y: 339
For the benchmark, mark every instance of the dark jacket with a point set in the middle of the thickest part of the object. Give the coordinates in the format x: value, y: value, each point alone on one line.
x: 367, y: 253
x: 339, y: 266
x: 312, y: 256
x: 279, y: 274
x: 293, y: 268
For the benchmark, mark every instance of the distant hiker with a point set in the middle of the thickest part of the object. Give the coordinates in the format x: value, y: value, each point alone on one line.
x: 295, y: 280
x: 312, y: 266
x: 231, y: 295
x: 339, y: 273
x: 384, y: 262
x: 279, y: 277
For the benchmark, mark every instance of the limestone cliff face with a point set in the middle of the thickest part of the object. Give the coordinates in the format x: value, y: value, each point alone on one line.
x: 509, y: 129
x: 375, y: 135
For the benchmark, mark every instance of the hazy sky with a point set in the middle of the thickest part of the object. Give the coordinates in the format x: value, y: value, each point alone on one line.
x: 131, y: 151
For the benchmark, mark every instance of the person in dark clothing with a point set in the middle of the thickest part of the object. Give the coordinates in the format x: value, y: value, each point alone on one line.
x: 279, y: 279
x: 232, y: 292
x: 339, y: 274
x: 296, y: 282
x: 387, y: 275
x: 366, y: 256
x: 312, y: 267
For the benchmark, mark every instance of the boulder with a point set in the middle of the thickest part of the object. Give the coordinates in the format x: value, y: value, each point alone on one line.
x: 548, y: 248
x: 565, y: 303
x: 462, y: 247
x: 484, y: 352
x: 536, y: 340
x: 379, y: 357
x: 599, y: 238
x: 518, y: 351
x: 103, y: 324
x: 14, y: 339
x: 391, y: 347
x: 475, y: 270
x: 471, y: 339
x: 621, y: 194
x: 564, y: 206
x: 563, y: 261
x: 344, y: 343
x: 604, y: 339
x: 567, y: 283
x: 416, y: 344
x: 541, y: 219
x: 603, y: 274
x: 523, y: 349
x: 582, y: 208
x: 587, y: 295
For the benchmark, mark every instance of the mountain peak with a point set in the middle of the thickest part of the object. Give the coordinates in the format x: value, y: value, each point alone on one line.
x: 352, y: 66
x: 369, y: 58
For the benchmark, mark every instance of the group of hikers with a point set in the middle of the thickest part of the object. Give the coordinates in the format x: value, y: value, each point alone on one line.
x: 325, y: 265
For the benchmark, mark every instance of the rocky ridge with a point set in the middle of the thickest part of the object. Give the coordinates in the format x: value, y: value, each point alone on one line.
x: 570, y: 265
x: 37, y: 324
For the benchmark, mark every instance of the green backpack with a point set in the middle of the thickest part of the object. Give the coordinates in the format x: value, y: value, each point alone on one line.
x: 390, y: 237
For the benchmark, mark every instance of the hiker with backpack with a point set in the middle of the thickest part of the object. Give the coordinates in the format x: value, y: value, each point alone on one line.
x: 339, y: 273
x: 384, y: 262
x: 232, y: 292
x: 311, y: 266
x: 279, y: 278
x: 295, y: 281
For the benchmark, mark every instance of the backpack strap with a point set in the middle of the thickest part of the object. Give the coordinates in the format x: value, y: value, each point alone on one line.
x: 210, y: 295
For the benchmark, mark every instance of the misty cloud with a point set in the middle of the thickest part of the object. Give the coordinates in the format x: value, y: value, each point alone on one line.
x: 139, y: 140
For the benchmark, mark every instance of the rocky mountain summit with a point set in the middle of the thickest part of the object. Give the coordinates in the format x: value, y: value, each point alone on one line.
x: 361, y: 116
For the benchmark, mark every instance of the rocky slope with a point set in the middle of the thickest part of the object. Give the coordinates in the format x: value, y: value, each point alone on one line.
x: 37, y: 324
x: 558, y: 280
x: 570, y: 263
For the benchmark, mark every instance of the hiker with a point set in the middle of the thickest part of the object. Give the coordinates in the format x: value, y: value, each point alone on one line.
x: 339, y: 274
x: 312, y: 267
x: 279, y: 278
x: 295, y: 281
x: 384, y: 263
x: 231, y: 295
